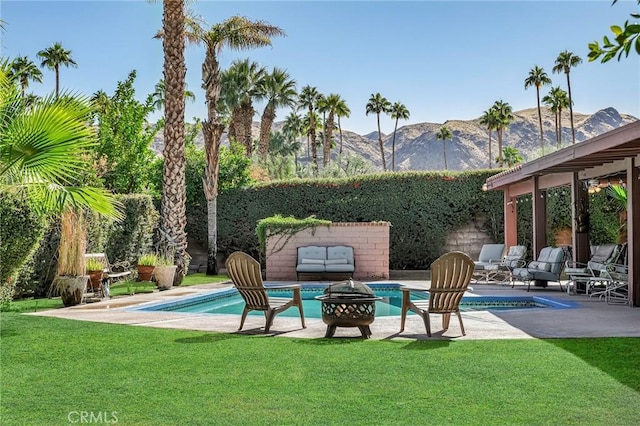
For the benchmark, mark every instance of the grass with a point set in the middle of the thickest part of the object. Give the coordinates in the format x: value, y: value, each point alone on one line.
x: 121, y: 288
x: 53, y: 368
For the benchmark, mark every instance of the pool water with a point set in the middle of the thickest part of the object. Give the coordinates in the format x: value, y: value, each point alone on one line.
x: 230, y: 302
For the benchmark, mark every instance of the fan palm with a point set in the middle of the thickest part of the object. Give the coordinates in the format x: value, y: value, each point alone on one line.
x: 379, y: 104
x: 24, y: 70
x: 342, y: 110
x: 54, y: 56
x: 564, y: 62
x: 308, y: 99
x: 511, y: 156
x: 44, y: 150
x: 537, y: 78
x: 333, y: 102
x: 236, y: 33
x: 159, y: 94
x: 504, y: 116
x: 240, y: 86
x: 279, y: 90
x: 443, y: 135
x: 557, y: 100
x: 489, y: 119
x: 398, y: 111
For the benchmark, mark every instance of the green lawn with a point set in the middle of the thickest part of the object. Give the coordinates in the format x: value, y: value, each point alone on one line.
x: 54, y: 369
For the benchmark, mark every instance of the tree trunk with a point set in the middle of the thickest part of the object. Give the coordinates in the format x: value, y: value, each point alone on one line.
x: 559, y: 127
x: 212, y: 131
x: 172, y: 210
x: 490, y: 143
x: 557, y: 131
x: 245, y: 125
x: 326, y: 152
x: 444, y: 151
x: 540, y: 120
x: 312, y: 134
x: 573, y: 130
x: 233, y: 124
x: 500, y: 161
x: 266, y: 122
x: 384, y: 164
x: 340, y: 131
x: 393, y: 148
x: 58, y: 70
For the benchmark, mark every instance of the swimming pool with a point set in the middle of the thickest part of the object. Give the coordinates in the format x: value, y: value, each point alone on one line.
x: 229, y: 302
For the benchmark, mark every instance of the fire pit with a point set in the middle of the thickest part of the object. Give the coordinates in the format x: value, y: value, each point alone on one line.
x: 348, y: 304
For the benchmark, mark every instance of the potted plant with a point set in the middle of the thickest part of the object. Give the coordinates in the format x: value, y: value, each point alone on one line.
x: 146, y: 266
x: 94, y: 268
x: 165, y: 271
x: 71, y: 279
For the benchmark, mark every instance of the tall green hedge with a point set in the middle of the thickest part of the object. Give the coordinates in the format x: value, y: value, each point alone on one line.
x: 122, y: 241
x: 20, y: 230
x: 423, y: 207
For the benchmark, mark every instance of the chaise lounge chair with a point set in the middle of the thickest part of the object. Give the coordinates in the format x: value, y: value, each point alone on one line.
x: 515, y: 258
x: 489, y: 254
x: 247, y: 278
x: 450, y: 277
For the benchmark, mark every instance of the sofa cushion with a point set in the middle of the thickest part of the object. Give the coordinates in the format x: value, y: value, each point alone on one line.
x: 340, y: 252
x: 339, y: 268
x: 336, y: 262
x: 310, y: 267
x: 312, y: 252
x: 312, y: 261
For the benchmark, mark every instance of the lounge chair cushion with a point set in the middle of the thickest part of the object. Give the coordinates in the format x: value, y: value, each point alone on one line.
x: 489, y: 253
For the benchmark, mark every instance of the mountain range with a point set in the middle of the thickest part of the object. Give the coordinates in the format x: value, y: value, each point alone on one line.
x: 416, y: 147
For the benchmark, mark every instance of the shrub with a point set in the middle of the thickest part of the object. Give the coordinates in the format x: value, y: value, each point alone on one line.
x: 20, y: 230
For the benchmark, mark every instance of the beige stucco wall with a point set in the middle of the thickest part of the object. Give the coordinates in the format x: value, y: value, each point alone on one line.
x: 370, y: 242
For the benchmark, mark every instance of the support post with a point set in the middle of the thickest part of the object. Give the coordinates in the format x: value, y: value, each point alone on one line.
x: 633, y: 230
x: 580, y: 220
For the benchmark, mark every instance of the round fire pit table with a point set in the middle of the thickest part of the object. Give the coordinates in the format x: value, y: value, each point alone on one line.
x: 348, y: 304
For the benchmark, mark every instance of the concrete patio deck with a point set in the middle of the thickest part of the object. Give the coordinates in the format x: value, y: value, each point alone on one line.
x: 591, y: 318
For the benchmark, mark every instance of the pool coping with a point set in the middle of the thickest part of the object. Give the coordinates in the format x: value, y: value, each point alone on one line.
x: 591, y: 318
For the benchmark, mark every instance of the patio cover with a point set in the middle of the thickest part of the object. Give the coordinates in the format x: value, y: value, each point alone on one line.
x: 615, y: 153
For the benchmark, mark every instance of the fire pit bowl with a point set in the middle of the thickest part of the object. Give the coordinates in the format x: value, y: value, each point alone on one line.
x: 348, y: 304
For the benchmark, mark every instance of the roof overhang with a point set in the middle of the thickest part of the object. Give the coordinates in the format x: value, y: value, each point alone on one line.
x: 600, y: 156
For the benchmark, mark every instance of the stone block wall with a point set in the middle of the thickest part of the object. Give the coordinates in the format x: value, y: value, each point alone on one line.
x: 468, y: 239
x: 370, y: 242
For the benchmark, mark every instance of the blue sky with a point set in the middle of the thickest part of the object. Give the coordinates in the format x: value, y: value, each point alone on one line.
x: 443, y: 60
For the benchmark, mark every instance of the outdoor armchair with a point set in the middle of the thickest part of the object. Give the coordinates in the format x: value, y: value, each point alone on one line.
x: 489, y: 253
x: 515, y: 258
x: 450, y: 277
x: 247, y: 278
x: 547, y: 267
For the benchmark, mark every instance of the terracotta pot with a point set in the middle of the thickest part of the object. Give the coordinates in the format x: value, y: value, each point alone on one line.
x: 145, y: 272
x: 95, y: 279
x: 164, y: 276
x: 71, y: 288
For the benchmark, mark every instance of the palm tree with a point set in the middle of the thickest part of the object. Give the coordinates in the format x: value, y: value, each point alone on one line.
x: 24, y: 70
x: 490, y: 121
x: 511, y: 156
x: 443, y: 135
x: 564, y: 62
x: 293, y: 128
x: 54, y: 56
x: 45, y: 147
x: 173, y: 218
x: 237, y: 33
x: 557, y: 100
x: 398, y: 111
x: 308, y: 99
x: 377, y: 103
x: 279, y: 90
x: 240, y: 86
x: 538, y: 77
x: 159, y: 94
x: 342, y: 110
x: 504, y: 116
x: 332, y: 103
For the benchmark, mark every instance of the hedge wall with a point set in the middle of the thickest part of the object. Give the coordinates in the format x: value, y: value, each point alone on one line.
x: 423, y: 207
x: 123, y: 241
